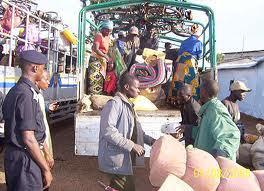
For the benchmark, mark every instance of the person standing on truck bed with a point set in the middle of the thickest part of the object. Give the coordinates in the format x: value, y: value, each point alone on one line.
x: 99, y: 58
x: 131, y: 46
x: 150, y: 39
x: 186, y: 65
x: 192, y: 44
x: 25, y: 165
x: 121, y: 137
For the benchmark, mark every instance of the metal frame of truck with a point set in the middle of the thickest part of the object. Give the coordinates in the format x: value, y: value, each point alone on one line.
x: 85, y: 21
x: 64, y: 92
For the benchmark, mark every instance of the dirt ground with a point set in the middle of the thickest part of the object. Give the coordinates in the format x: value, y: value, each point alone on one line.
x: 80, y: 173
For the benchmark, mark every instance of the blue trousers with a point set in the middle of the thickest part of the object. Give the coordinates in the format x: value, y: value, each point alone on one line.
x: 21, y: 171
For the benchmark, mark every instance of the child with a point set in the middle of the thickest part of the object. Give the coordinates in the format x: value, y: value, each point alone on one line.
x: 110, y: 79
x: 48, y: 152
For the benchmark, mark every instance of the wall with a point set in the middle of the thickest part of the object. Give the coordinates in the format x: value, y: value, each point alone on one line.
x: 253, y: 77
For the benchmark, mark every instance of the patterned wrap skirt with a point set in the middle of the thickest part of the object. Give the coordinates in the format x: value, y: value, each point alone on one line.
x: 186, y: 72
x: 96, y: 75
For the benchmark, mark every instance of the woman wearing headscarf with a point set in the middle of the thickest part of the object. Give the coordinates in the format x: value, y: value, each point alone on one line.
x: 186, y: 69
x: 99, y: 58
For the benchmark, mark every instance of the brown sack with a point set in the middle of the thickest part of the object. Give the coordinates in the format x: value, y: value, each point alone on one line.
x: 168, y: 156
x: 99, y: 101
x: 201, y: 171
x: 260, y: 176
x: 236, y: 177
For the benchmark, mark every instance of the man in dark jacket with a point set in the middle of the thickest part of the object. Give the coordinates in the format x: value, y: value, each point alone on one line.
x: 189, y: 111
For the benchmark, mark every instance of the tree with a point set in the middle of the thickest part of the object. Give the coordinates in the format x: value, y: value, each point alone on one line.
x: 220, y: 58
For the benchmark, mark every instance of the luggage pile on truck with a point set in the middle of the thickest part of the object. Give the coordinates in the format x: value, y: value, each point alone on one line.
x: 24, y: 27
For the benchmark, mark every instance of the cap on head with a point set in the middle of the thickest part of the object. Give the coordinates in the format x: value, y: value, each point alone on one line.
x: 133, y: 30
x: 238, y: 85
x: 121, y: 33
x: 107, y: 24
x: 34, y: 57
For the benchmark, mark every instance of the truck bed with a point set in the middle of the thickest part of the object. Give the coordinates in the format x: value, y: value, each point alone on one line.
x: 87, y: 126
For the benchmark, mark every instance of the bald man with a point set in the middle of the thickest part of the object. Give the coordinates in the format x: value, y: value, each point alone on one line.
x: 216, y: 132
x: 189, y: 111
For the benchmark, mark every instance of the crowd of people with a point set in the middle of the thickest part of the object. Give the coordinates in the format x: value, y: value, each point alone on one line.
x: 207, y: 123
x: 128, y: 44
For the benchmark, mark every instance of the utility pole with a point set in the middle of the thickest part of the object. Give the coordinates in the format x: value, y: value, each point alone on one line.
x: 243, y: 44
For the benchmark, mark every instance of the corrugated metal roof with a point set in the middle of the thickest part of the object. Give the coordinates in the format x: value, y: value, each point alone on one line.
x: 243, y: 63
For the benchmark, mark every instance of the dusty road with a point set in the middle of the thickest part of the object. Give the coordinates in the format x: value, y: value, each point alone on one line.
x: 80, y: 173
x: 76, y: 173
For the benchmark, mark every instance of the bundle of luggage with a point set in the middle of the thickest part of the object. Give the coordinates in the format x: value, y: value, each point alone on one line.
x: 173, y: 166
x: 251, y: 153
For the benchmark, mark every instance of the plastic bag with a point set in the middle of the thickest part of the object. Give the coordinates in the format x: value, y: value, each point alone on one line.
x: 244, y: 154
x: 84, y: 105
x: 257, y: 150
x: 172, y: 183
x: 154, y: 94
x: 142, y: 103
x: 170, y: 128
x: 150, y: 52
x: 70, y: 36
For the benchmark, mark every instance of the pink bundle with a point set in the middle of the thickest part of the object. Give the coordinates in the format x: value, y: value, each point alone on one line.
x: 172, y: 164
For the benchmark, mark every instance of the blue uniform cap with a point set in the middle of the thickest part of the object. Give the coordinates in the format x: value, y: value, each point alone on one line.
x: 34, y: 57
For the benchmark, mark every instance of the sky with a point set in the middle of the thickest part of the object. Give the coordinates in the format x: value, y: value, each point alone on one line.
x: 239, y: 23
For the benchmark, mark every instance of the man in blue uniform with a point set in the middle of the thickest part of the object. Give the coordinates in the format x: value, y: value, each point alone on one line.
x: 25, y: 166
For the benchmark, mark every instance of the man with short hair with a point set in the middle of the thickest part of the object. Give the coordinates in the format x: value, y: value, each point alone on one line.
x: 150, y: 39
x: 121, y: 138
x: 25, y: 165
x: 238, y: 92
x: 189, y: 111
x: 120, y: 42
x: 217, y: 133
x: 131, y: 46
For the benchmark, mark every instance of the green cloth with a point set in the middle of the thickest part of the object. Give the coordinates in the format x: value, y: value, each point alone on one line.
x: 216, y: 130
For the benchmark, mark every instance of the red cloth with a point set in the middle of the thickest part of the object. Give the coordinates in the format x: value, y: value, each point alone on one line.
x: 110, y: 83
x: 103, y: 42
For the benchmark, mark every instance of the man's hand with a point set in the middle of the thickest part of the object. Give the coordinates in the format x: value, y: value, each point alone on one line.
x: 49, y: 160
x: 47, y: 179
x: 139, y: 150
x: 179, y: 132
x: 107, y: 58
x: 53, y: 106
x: 153, y: 141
